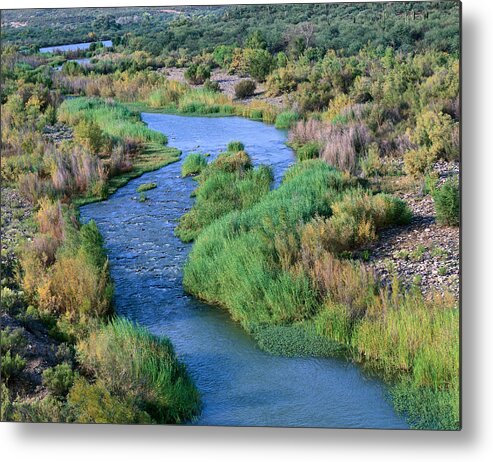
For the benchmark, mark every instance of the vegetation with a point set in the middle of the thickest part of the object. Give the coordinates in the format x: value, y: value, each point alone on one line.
x: 288, y: 279
x: 140, y: 372
x: 447, y: 203
x: 228, y: 183
x: 286, y: 119
x: 193, y: 164
x: 146, y: 187
x: 197, y: 74
x: 245, y: 89
x: 370, y: 95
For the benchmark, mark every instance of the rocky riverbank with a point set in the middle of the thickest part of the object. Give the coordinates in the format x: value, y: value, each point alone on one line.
x: 421, y: 253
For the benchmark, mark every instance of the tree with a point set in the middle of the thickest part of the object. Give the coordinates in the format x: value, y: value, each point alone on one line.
x: 258, y: 63
x: 256, y: 40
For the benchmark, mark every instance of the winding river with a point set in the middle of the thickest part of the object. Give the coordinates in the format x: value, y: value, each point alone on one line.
x: 239, y: 383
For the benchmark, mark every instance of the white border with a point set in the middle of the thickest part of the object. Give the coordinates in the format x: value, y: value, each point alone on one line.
x: 74, y: 443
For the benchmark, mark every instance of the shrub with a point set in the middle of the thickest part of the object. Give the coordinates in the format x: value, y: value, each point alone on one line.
x: 197, y: 74
x: 146, y: 187
x: 40, y: 410
x: 12, y: 339
x: 77, y: 285
x: 447, y: 203
x: 356, y: 218
x: 257, y: 63
x: 193, y: 164
x: 10, y: 299
x: 12, y: 366
x: 371, y: 165
x: 245, y: 89
x: 89, y: 134
x: 418, y: 162
x: 59, y: 379
x: 93, y: 403
x: 434, y: 132
x: 32, y: 187
x: 212, y: 85
x: 133, y: 364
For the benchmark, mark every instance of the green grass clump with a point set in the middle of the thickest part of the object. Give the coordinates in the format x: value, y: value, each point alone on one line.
x: 228, y: 183
x: 235, y: 146
x: 447, y: 203
x: 146, y: 187
x: 204, y: 102
x: 193, y: 164
x: 134, y: 370
x: 286, y: 119
x: 308, y: 151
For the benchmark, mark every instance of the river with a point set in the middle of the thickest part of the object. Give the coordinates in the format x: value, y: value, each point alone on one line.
x: 239, y: 383
x: 72, y: 47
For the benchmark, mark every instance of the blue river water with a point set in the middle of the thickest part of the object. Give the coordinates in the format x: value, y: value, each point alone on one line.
x: 72, y: 47
x: 239, y: 383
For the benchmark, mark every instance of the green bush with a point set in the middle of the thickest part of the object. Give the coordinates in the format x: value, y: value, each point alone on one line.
x: 286, y: 119
x: 12, y: 366
x: 59, y: 379
x: 10, y: 299
x: 12, y: 339
x: 93, y: 403
x: 447, y: 203
x: 371, y: 165
x: 212, y: 85
x: 356, y: 218
x: 418, y: 162
x: 89, y: 134
x: 133, y: 365
x: 193, y: 164
x: 197, y: 74
x: 245, y: 89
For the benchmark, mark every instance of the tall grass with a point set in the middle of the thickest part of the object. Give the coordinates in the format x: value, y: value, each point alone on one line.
x: 247, y: 250
x: 341, y: 145
x: 113, y: 118
x: 286, y: 119
x: 138, y: 370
